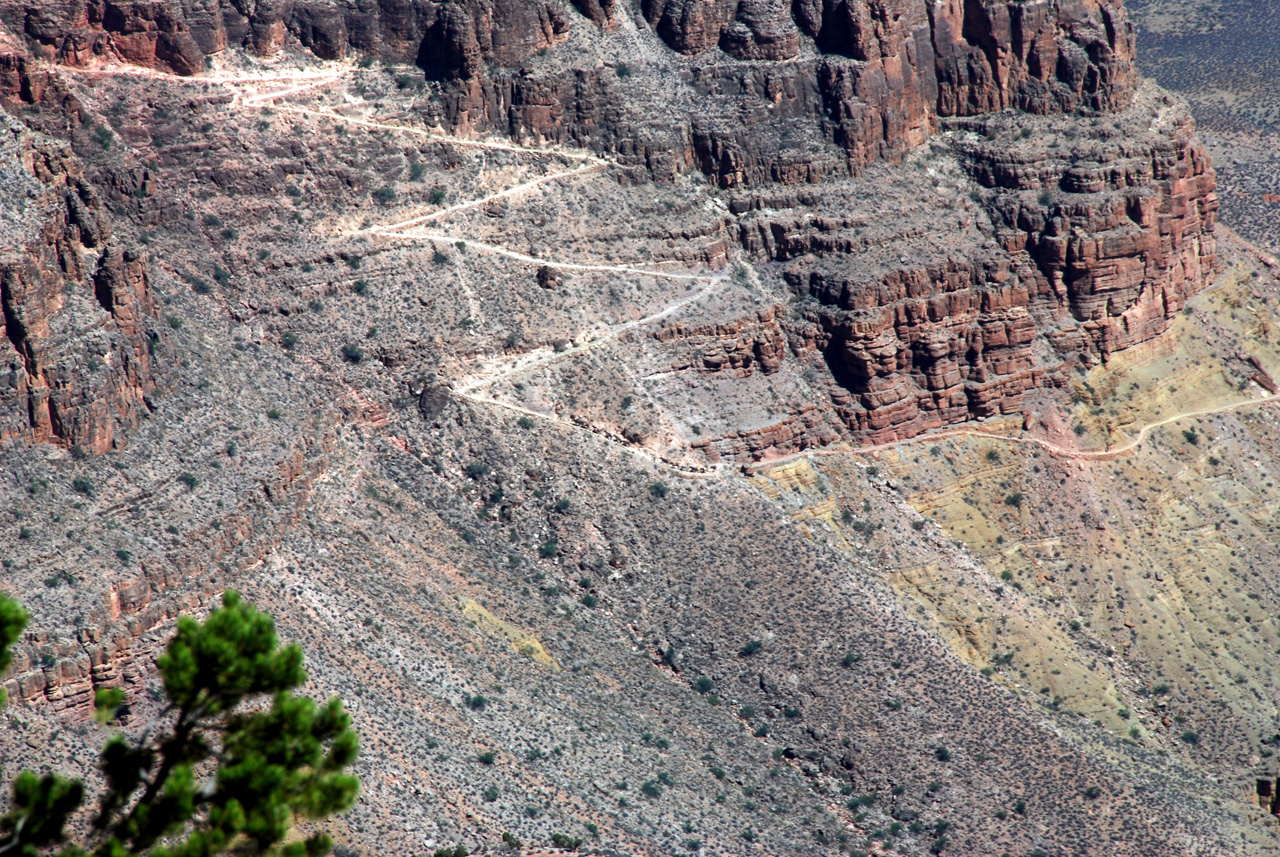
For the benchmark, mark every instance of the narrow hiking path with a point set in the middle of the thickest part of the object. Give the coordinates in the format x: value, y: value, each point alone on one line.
x: 1064, y: 452
x: 394, y: 229
x: 536, y: 360
x: 267, y: 89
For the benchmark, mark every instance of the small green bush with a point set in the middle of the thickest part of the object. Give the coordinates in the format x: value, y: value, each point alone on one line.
x: 658, y: 490
x: 437, y: 195
x: 353, y: 353
x: 750, y: 648
x: 568, y: 843
x: 82, y: 485
x: 189, y: 480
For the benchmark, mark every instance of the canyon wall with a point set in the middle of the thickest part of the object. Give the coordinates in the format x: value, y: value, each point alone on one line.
x: 75, y: 363
x: 1100, y: 201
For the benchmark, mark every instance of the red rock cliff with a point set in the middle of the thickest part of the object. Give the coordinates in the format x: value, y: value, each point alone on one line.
x: 74, y: 350
x: 1096, y: 205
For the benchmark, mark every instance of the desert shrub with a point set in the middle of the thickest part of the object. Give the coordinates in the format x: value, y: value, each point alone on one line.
x: 750, y: 648
x: 568, y: 843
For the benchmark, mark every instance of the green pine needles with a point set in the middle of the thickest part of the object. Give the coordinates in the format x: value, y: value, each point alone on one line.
x: 234, y: 758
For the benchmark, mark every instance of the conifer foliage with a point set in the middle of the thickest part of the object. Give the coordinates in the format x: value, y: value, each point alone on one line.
x: 234, y: 758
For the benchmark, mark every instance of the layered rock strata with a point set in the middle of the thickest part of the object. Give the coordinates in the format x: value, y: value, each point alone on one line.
x: 1096, y: 234
x: 75, y: 347
x: 1100, y: 203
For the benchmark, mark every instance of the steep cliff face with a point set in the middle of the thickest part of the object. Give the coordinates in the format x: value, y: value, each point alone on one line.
x: 75, y: 349
x: 824, y: 85
x: 1093, y: 233
x: 1097, y: 204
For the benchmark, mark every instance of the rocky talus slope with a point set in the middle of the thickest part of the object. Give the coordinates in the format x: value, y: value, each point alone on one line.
x: 447, y: 330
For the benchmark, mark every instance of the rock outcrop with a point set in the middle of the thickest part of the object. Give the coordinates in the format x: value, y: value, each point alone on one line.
x: 1088, y: 237
x: 823, y: 86
x: 75, y: 350
x: 1097, y: 204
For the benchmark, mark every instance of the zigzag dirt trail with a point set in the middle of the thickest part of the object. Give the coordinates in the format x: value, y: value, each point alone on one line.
x: 261, y: 94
